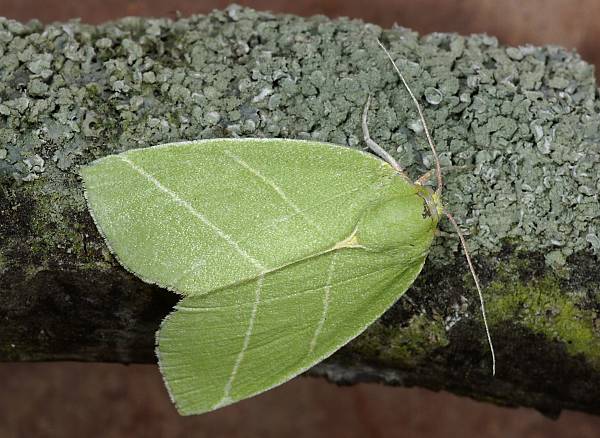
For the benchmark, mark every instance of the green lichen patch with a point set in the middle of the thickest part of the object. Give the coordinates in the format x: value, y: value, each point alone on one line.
x: 542, y: 307
x: 404, y: 346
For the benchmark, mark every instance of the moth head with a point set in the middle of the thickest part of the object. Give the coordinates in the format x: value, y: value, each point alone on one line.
x: 433, y: 202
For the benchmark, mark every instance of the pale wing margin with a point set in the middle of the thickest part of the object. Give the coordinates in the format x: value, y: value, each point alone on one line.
x: 292, y: 331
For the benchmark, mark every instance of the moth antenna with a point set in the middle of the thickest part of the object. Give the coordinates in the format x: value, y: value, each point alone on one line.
x: 468, y: 257
x: 438, y: 169
x: 438, y: 191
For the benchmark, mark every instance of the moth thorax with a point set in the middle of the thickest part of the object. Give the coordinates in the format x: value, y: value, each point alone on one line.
x: 397, y: 222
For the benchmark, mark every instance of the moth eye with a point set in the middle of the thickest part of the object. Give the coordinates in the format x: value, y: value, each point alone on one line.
x: 426, y: 213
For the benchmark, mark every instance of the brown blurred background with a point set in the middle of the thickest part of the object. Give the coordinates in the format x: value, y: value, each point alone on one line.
x: 574, y: 24
x: 102, y: 400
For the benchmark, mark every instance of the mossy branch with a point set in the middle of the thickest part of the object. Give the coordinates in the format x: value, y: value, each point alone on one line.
x: 524, y: 123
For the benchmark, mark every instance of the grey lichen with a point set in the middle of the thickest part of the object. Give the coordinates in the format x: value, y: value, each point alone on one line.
x: 526, y: 117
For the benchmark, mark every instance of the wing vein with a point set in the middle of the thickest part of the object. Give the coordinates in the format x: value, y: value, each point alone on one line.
x: 227, y: 390
x: 276, y: 222
x: 185, y: 204
x: 273, y: 185
x: 326, y: 298
x: 283, y: 297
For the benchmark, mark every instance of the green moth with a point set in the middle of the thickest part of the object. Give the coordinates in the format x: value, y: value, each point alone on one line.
x: 282, y: 250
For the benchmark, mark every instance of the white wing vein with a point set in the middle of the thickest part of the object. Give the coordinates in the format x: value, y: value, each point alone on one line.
x: 185, y: 204
x: 233, y: 307
x: 275, y: 187
x: 326, y: 298
x: 276, y: 222
x: 227, y: 390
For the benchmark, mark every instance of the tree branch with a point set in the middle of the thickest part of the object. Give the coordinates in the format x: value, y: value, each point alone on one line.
x: 521, y: 125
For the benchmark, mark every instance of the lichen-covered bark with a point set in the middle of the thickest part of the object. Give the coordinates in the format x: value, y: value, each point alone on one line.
x: 520, y: 126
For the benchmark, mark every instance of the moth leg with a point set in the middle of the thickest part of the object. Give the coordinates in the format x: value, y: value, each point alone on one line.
x: 375, y: 148
x: 427, y: 175
x: 424, y: 178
